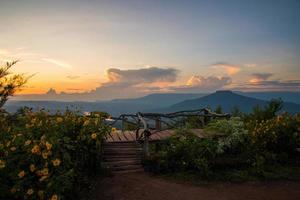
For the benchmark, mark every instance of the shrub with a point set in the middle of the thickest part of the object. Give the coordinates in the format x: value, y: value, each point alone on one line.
x: 42, y: 155
x: 184, y: 151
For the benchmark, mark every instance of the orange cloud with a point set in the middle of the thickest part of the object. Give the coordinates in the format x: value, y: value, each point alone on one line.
x: 228, y: 68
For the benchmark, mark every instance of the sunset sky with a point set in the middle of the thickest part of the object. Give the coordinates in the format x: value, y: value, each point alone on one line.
x: 127, y: 48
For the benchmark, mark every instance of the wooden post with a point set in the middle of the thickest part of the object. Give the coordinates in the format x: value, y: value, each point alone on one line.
x: 146, y: 136
x: 206, y: 117
x: 157, y: 124
x: 146, y: 144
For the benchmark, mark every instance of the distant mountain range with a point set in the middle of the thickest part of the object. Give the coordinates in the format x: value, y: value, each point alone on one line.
x: 227, y: 100
x: 166, y: 102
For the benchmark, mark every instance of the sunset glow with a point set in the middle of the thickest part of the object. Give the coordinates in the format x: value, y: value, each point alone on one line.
x: 76, y: 47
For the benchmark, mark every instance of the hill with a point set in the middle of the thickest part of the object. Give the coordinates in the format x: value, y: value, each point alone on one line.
x: 227, y: 99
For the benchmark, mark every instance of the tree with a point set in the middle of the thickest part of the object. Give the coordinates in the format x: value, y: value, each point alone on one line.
x: 218, y: 109
x: 9, y: 83
x: 235, y: 111
x: 267, y: 112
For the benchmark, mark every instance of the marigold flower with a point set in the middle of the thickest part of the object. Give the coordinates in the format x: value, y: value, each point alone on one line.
x: 45, y: 171
x: 28, y: 142
x: 113, y: 129
x: 36, y: 149
x: 56, y: 162
x: 86, y: 122
x: 59, y: 119
x: 8, y: 144
x: 32, y: 167
x: 21, y: 174
x: 43, y: 178
x: 2, y: 164
x: 48, y: 146
x: 54, y: 197
x: 94, y: 136
x: 13, y: 148
x: 45, y: 155
x: 30, y: 191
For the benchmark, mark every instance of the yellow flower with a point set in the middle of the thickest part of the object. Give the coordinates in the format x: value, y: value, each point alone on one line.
x: 30, y: 191
x: 48, y: 146
x: 43, y: 178
x: 28, y: 142
x: 59, y: 119
x: 2, y: 164
x: 54, y: 197
x: 21, y: 174
x: 13, y: 148
x: 113, y: 130
x: 36, y: 149
x: 32, y: 167
x: 45, y: 171
x: 94, y: 136
x: 86, y: 122
x: 45, y: 155
x: 8, y: 144
x: 56, y: 162
x: 13, y: 190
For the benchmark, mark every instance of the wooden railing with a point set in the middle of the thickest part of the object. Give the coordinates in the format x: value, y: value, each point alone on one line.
x: 161, y: 121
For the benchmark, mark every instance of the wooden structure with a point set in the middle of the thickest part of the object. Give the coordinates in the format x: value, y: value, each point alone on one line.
x: 124, y: 149
x: 157, y: 126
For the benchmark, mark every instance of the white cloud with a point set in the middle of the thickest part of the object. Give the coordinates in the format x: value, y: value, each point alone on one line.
x: 58, y: 63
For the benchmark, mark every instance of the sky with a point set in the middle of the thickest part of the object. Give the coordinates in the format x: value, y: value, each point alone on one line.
x: 97, y: 49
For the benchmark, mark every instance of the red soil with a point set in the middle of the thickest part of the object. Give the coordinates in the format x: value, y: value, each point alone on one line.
x: 142, y: 186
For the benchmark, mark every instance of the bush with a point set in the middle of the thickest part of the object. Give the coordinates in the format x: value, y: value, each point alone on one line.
x: 44, y: 156
x: 253, y: 143
x: 182, y: 152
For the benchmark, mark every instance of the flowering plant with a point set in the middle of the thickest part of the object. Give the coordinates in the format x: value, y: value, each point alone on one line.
x: 42, y: 155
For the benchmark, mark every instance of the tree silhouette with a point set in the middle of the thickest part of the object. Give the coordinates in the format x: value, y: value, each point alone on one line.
x: 9, y: 83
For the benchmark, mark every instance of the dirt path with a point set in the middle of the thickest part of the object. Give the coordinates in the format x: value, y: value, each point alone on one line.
x: 142, y: 186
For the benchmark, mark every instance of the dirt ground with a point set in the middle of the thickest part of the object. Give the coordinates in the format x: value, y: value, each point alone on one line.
x: 142, y: 186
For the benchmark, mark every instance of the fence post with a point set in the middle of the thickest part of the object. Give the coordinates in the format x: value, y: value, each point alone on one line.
x: 206, y: 117
x: 146, y: 133
x: 146, y: 143
x: 158, y: 124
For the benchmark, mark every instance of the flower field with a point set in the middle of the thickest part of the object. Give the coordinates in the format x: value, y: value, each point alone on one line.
x: 45, y: 156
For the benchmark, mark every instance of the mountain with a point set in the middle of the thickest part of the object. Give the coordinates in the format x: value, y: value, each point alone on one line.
x: 114, y: 107
x: 159, y: 99
x: 164, y: 102
x: 227, y: 100
x: 293, y: 97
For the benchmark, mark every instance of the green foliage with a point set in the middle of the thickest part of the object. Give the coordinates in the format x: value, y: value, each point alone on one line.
x: 236, y: 112
x: 235, y: 134
x: 9, y: 83
x: 267, y: 112
x: 44, y: 156
x: 185, y: 151
x: 253, y: 143
x: 218, y: 109
x: 194, y: 122
x: 129, y: 126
